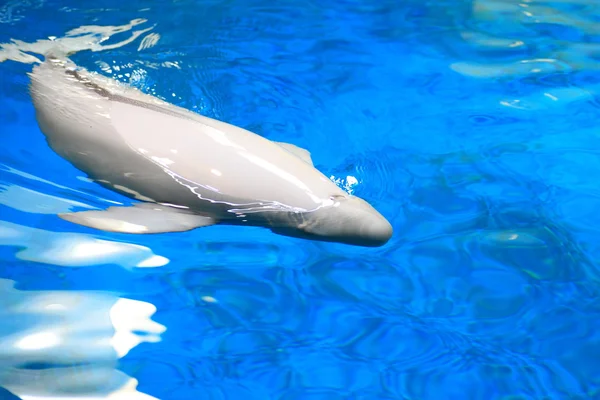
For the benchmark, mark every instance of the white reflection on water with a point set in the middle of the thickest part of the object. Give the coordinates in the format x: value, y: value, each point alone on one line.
x: 502, y: 25
x: 27, y: 200
x: 9, y: 169
x: 88, y: 37
x: 548, y: 98
x: 52, y: 330
x: 74, y: 249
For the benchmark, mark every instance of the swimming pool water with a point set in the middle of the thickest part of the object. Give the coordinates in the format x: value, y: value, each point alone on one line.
x: 471, y: 125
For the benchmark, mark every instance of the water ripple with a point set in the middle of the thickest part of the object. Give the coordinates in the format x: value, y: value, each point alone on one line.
x: 471, y: 125
x: 562, y: 36
x: 332, y: 371
x: 65, y: 343
x: 378, y: 286
x: 538, y: 253
x: 12, y: 11
x: 245, y: 297
x: 480, y: 374
x: 400, y: 344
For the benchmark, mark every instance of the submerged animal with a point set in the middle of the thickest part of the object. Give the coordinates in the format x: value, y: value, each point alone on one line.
x: 187, y: 170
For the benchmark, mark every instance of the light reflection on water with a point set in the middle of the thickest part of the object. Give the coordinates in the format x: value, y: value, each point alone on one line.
x: 75, y: 249
x: 554, y: 34
x: 66, y: 344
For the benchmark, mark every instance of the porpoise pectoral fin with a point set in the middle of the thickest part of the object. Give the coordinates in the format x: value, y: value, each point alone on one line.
x: 140, y: 218
x: 299, y: 152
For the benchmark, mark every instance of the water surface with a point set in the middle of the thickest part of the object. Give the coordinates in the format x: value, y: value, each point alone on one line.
x: 471, y: 125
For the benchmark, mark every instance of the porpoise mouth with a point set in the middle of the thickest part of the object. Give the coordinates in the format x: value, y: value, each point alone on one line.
x: 349, y: 240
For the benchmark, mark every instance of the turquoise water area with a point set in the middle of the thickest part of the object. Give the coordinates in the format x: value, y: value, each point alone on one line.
x: 471, y: 125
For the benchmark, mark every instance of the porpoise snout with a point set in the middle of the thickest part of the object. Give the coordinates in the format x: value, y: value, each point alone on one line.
x: 376, y: 231
x: 351, y: 221
x: 370, y: 227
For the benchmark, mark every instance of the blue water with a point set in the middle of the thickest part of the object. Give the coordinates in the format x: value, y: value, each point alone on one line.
x: 473, y: 126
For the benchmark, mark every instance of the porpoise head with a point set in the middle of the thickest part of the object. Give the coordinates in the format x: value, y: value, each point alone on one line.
x: 349, y: 220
